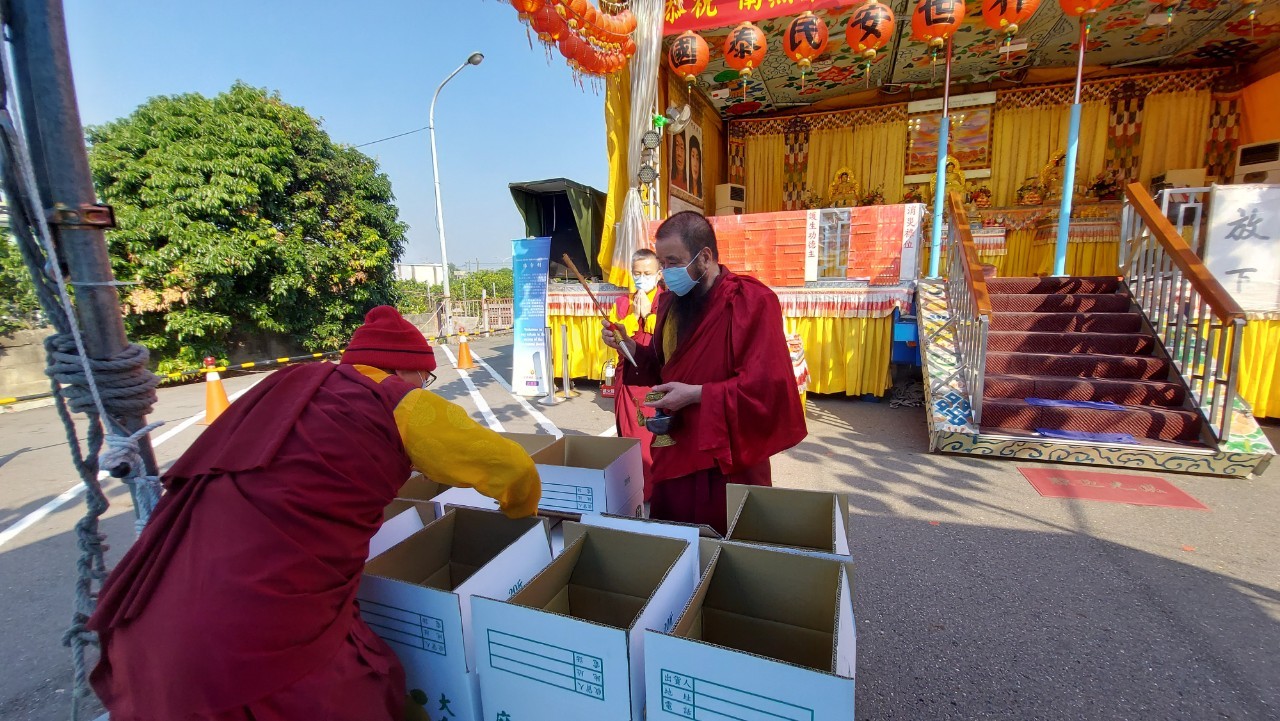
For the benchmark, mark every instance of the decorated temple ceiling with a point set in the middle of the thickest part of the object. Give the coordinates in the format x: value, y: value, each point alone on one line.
x: 1132, y: 34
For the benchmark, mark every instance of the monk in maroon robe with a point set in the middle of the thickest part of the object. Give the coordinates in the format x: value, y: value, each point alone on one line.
x: 238, y: 601
x: 719, y: 354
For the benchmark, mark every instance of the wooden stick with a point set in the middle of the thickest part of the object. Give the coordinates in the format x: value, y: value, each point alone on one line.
x: 596, y: 301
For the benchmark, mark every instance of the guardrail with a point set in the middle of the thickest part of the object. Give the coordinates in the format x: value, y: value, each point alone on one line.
x: 1198, y: 322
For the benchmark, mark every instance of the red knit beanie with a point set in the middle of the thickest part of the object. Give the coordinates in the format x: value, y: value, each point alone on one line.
x: 388, y: 341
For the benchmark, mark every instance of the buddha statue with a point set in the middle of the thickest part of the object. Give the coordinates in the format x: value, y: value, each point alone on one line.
x: 844, y: 191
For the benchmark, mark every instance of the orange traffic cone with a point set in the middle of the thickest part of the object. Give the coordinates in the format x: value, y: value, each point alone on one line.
x: 464, y: 352
x: 215, y: 396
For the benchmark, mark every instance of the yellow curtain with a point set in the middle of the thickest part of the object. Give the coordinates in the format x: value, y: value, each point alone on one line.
x: 617, y: 113
x: 587, y: 351
x: 1174, y: 130
x: 1260, y: 367
x: 1025, y: 139
x: 1082, y: 259
x: 879, y: 153
x: 829, y: 150
x: 764, y: 172
x: 846, y: 355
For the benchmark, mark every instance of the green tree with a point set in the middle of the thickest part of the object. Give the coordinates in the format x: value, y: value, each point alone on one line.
x: 19, y: 308
x: 237, y: 213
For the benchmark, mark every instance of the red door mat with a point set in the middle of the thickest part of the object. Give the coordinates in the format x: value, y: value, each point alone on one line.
x: 1112, y: 487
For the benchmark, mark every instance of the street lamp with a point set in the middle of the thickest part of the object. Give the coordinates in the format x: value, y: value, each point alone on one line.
x: 474, y: 59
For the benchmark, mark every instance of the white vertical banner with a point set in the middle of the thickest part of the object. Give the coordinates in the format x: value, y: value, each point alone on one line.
x: 911, y: 236
x: 812, y: 221
x: 1242, y: 248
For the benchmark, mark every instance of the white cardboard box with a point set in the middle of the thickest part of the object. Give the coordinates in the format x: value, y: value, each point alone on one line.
x: 589, y: 474
x: 418, y: 597
x: 790, y: 520
x: 767, y: 636
x: 570, y: 645
x: 400, y: 520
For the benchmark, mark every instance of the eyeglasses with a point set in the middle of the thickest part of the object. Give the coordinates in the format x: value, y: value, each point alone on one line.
x: 431, y: 378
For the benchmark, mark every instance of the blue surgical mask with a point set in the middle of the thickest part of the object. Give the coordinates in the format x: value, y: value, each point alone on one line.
x: 645, y: 283
x: 679, y: 280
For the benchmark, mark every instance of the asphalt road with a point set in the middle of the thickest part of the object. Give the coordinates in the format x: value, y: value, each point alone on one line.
x: 975, y: 597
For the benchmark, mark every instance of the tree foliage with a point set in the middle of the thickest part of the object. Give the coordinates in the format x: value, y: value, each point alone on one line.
x: 19, y: 308
x: 238, y: 214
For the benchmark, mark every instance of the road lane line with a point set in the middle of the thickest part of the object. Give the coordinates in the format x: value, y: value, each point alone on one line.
x: 489, y: 418
x: 542, y: 420
x: 71, y: 493
x: 608, y: 432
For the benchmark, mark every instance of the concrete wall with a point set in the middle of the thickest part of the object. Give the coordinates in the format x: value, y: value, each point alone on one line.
x: 22, y: 363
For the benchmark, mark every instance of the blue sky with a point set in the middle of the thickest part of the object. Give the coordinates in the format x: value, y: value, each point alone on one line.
x: 368, y: 69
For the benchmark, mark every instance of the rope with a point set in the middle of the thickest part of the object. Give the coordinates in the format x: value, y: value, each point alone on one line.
x: 910, y: 395
x: 102, y: 389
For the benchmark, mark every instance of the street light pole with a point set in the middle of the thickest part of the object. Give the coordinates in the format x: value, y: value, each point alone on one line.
x: 474, y: 59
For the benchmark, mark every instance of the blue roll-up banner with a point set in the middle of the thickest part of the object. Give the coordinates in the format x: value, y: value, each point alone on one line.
x: 530, y: 258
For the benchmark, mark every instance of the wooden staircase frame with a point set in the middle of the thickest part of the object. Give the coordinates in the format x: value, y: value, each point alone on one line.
x: 1199, y: 324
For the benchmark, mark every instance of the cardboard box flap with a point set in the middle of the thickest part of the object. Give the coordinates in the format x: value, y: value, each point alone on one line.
x: 812, y: 520
x: 530, y: 442
x: 426, y: 512
x: 444, y: 554
x: 845, y: 660
x: 420, y: 488
x: 584, y: 452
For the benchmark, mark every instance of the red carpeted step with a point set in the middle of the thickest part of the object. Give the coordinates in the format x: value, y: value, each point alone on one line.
x: 1042, y: 286
x: 1069, y: 322
x: 1077, y: 366
x: 1124, y: 392
x: 1160, y: 423
x: 1082, y: 303
x: 1107, y: 343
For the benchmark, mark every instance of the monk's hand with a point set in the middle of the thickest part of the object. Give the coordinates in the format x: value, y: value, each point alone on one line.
x: 677, y: 396
x: 615, y: 336
x: 643, y: 307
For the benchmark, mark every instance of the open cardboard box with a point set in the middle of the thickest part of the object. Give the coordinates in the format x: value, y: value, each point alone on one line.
x: 569, y: 646
x: 530, y: 442
x: 421, y: 488
x: 400, y: 520
x: 418, y: 597
x: 791, y: 520
x: 750, y: 646
x: 590, y: 474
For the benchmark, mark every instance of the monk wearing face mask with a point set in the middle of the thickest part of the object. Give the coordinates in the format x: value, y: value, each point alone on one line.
x: 635, y: 313
x: 238, y: 601
x: 719, y: 355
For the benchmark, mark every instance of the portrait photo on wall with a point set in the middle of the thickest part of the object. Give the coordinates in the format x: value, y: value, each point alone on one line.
x: 685, y: 163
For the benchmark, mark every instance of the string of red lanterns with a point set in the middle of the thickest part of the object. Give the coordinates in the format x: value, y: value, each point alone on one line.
x: 593, y: 40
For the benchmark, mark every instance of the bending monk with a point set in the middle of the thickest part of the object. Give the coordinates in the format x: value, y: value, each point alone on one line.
x: 238, y: 600
x: 719, y: 354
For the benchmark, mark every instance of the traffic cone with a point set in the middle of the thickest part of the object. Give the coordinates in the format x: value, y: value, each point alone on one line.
x: 215, y: 396
x: 464, y: 352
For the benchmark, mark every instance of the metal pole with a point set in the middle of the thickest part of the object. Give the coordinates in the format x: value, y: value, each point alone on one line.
x: 566, y: 382
x: 55, y: 135
x: 435, y: 172
x: 940, y: 180
x: 549, y: 372
x: 1069, y: 165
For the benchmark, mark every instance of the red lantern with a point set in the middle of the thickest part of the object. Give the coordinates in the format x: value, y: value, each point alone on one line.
x: 547, y: 24
x: 745, y: 48
x: 628, y: 19
x: 936, y: 20
x: 1080, y: 8
x: 805, y: 40
x: 871, y: 28
x: 1007, y: 15
x: 573, y: 49
x: 590, y: 15
x: 629, y: 47
x: 688, y: 56
x: 526, y: 7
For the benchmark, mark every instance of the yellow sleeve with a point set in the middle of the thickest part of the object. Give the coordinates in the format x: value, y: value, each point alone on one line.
x: 631, y: 323
x: 447, y: 446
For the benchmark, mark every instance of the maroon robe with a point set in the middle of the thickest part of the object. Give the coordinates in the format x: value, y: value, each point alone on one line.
x: 238, y: 599
x: 750, y: 409
x: 628, y: 403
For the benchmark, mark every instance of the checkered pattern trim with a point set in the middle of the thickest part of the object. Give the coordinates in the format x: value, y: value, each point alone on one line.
x: 1104, y: 90
x: 1224, y: 136
x: 822, y: 121
x: 737, y: 160
x: 796, y: 137
x: 1124, y: 132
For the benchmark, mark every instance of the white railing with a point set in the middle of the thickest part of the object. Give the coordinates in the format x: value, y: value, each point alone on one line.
x: 1198, y: 323
x: 968, y: 304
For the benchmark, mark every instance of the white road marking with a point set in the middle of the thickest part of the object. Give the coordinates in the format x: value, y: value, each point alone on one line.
x: 608, y: 432
x: 71, y: 493
x: 542, y: 420
x: 489, y: 418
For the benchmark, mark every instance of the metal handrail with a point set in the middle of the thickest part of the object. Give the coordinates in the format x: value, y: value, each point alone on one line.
x: 1198, y: 322
x: 968, y: 304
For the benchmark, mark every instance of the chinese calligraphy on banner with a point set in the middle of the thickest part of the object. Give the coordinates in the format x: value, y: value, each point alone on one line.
x: 682, y: 15
x: 1244, y: 237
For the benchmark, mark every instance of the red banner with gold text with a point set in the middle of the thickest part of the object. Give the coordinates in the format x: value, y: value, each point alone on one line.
x: 682, y: 15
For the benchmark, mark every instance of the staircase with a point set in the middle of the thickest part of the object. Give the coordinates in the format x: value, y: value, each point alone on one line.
x: 1073, y: 355
x: 1135, y: 370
